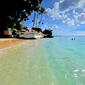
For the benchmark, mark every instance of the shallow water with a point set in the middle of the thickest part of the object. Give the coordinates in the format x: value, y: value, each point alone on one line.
x: 50, y: 61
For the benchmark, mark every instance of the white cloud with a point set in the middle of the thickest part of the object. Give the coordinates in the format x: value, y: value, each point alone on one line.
x: 46, y: 22
x: 76, y: 13
x: 62, y: 1
x: 30, y: 25
x: 52, y: 17
x: 63, y: 21
x: 80, y: 18
x: 82, y: 22
x: 78, y: 25
x: 66, y: 5
x: 54, y: 13
x: 55, y: 26
x: 73, y: 11
x: 84, y: 9
x: 63, y: 16
x: 62, y: 7
x: 70, y: 22
x: 44, y: 27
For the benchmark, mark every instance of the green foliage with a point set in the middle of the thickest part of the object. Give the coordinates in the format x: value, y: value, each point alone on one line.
x: 42, y: 10
x: 14, y: 25
x: 37, y: 29
x: 19, y: 26
x: 15, y: 11
x: 24, y: 27
x: 47, y: 31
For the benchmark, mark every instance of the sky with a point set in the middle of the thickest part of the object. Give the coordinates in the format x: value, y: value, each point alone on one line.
x: 64, y: 17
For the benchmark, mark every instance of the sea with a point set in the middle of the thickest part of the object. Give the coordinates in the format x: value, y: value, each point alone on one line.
x: 46, y: 61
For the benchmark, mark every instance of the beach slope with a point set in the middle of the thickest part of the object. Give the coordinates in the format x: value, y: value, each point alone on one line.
x: 9, y: 42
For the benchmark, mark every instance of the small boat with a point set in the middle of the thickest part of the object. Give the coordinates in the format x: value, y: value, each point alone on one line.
x: 31, y: 35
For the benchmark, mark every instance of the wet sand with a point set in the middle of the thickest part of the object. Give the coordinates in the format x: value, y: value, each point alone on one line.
x: 9, y: 42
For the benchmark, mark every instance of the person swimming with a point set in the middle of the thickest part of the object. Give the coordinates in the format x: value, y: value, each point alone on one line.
x: 72, y: 39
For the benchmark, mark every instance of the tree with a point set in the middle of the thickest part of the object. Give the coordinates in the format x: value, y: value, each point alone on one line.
x: 41, y: 12
x: 24, y: 27
x: 35, y: 10
x: 15, y: 11
x: 38, y: 12
x: 19, y: 26
x: 37, y: 29
x: 34, y: 19
x: 47, y: 31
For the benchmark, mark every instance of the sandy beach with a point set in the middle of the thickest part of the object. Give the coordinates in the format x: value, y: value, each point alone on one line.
x: 9, y: 42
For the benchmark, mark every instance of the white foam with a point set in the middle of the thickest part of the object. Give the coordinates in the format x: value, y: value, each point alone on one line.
x: 76, y: 70
x: 83, y: 70
x: 75, y: 75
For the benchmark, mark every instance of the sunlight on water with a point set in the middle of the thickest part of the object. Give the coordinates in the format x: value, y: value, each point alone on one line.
x: 56, y: 61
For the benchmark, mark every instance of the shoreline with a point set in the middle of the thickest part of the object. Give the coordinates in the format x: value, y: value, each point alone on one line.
x: 10, y: 42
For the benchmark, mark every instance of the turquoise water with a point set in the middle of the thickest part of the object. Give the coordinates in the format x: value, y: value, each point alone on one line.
x: 49, y: 61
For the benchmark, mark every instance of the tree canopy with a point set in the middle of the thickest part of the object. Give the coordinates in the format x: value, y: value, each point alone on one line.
x: 47, y: 31
x: 37, y: 29
x: 14, y: 11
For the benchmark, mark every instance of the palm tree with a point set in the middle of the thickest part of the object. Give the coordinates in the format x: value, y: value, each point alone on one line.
x: 41, y: 12
x: 35, y: 10
x: 34, y: 18
x: 37, y: 17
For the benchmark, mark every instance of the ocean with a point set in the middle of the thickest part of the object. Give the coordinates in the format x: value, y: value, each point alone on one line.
x: 47, y: 61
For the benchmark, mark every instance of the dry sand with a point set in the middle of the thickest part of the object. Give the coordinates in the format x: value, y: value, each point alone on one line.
x: 9, y: 42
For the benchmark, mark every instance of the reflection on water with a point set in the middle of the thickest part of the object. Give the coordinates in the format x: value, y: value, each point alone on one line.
x: 43, y: 62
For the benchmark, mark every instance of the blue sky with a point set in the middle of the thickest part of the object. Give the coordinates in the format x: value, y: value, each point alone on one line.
x: 65, y: 17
